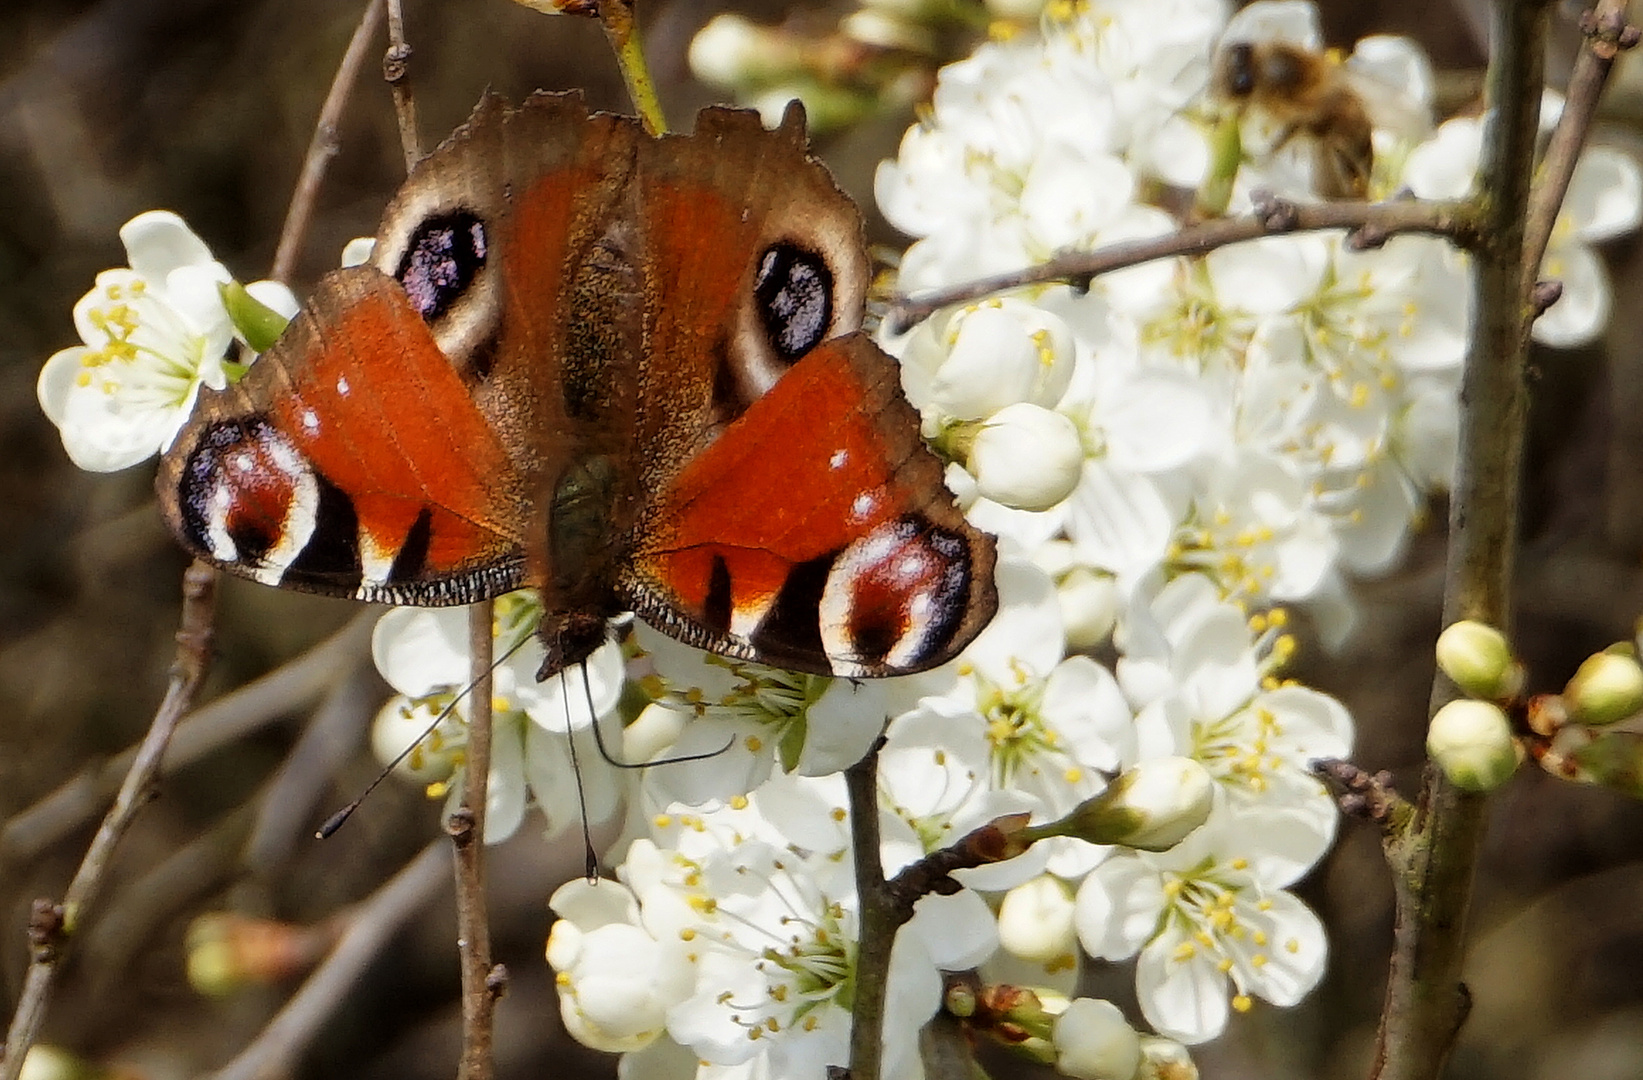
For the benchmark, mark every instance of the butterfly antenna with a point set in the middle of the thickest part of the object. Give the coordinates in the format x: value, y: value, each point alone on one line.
x: 336, y: 820
x: 590, y: 860
x: 604, y: 751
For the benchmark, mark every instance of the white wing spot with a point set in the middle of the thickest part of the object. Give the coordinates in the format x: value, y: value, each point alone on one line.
x: 863, y: 506
x: 342, y: 386
x: 243, y: 462
x: 310, y: 420
x: 838, y: 459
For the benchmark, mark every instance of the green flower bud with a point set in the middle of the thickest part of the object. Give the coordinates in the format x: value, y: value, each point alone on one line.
x: 1479, y: 660
x: 1472, y: 743
x: 1606, y: 688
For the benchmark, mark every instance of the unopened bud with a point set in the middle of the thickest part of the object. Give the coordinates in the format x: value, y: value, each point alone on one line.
x: 1089, y: 606
x: 1479, y: 661
x: 733, y: 51
x: 1165, y: 1059
x: 1027, y: 457
x: 1606, y: 688
x: 1150, y: 807
x: 1035, y: 921
x: 1472, y: 743
x: 227, y: 952
x: 1093, y: 1041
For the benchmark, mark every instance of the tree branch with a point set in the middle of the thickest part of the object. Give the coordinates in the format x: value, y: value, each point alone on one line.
x: 324, y: 145
x: 481, y: 984
x: 1434, y: 858
x: 53, y: 925
x: 1373, y: 224
x: 878, y: 920
x: 370, y: 927
x: 396, y: 69
x: 228, y: 718
x: 1606, y: 34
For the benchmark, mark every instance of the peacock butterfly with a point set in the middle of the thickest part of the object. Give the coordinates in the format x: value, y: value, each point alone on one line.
x: 625, y: 371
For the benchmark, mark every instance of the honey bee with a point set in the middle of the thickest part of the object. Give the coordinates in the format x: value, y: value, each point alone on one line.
x: 1303, y: 94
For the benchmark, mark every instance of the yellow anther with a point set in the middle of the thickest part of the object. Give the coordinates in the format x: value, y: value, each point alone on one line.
x: 754, y: 743
x: 738, y: 802
x: 1185, y: 951
x: 1242, y: 1003
x: 839, y: 813
x: 662, y: 821
x: 1240, y: 863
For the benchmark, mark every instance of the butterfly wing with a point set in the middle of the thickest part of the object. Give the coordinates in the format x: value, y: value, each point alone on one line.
x: 391, y: 445
x: 815, y: 532
x: 350, y: 460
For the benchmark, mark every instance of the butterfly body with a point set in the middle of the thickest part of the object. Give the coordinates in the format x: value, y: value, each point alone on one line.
x: 624, y: 371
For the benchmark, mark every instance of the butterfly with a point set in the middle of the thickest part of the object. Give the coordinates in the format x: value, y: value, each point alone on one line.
x: 625, y: 371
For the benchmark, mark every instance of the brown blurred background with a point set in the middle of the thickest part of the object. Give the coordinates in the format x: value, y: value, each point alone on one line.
x: 112, y: 107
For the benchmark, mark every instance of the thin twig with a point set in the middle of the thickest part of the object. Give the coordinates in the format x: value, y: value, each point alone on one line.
x: 224, y: 721
x: 55, y: 925
x: 1374, y: 222
x: 1606, y: 33
x: 324, y: 144
x: 480, y: 985
x: 1433, y: 858
x: 396, y: 69
x: 878, y: 921
x: 370, y: 927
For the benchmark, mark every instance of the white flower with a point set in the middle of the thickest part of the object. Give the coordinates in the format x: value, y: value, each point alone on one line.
x: 423, y: 654
x: 748, y: 720
x: 1026, y: 457
x: 1035, y: 920
x: 1207, y: 916
x: 1204, y: 676
x: 1094, y: 1042
x: 615, y: 981
x: 153, y: 334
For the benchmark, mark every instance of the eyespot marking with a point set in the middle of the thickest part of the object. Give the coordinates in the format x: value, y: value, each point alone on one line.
x: 443, y: 256
x: 794, y: 293
x: 894, y: 597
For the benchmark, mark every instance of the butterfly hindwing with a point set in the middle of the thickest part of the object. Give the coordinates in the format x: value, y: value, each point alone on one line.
x: 330, y: 469
x: 815, y: 532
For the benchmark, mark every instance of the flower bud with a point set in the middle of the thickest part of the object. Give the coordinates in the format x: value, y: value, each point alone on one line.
x: 1150, y: 807
x: 358, y: 251
x: 1606, y: 688
x: 1089, y: 606
x: 1027, y: 457
x: 999, y: 353
x: 735, y: 52
x: 1472, y: 743
x: 1165, y: 1059
x: 1035, y: 921
x: 1094, y: 1042
x: 1479, y: 660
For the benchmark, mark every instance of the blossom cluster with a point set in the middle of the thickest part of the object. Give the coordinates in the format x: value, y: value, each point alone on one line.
x: 1167, y: 457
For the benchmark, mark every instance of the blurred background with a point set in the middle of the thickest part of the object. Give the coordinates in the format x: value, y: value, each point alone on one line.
x: 111, y: 107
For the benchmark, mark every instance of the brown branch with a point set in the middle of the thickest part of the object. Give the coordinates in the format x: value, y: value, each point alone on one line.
x: 396, y: 70
x: 879, y: 920
x: 1372, y: 223
x: 224, y: 721
x: 370, y: 926
x: 481, y: 984
x: 55, y: 924
x: 324, y: 145
x: 1606, y: 33
x: 1433, y: 859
